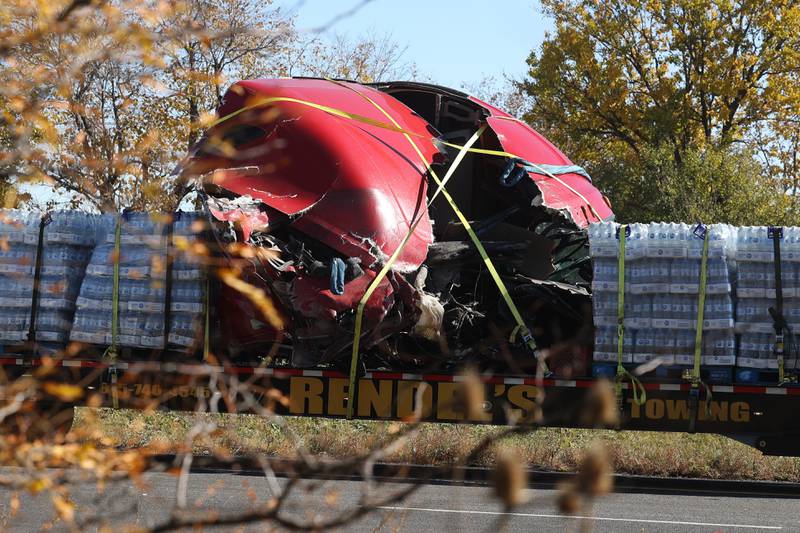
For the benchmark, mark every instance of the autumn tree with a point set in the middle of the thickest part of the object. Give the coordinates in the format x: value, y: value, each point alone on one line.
x: 367, y: 58
x: 626, y: 87
x: 232, y: 40
x: 125, y: 89
x: 101, y: 127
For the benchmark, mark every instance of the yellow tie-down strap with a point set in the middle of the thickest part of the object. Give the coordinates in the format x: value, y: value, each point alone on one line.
x: 695, y: 376
x: 639, y: 392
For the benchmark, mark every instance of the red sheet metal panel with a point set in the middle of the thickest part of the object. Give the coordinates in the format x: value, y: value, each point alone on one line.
x: 576, y: 194
x: 356, y: 186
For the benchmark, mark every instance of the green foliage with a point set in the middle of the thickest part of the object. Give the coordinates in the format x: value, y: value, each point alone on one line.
x: 711, y: 185
x: 685, y: 109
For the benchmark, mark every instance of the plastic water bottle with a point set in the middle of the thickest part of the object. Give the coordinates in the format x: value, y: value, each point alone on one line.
x: 644, y: 345
x: 719, y: 348
x: 662, y: 309
x: 684, y: 346
x: 766, y: 351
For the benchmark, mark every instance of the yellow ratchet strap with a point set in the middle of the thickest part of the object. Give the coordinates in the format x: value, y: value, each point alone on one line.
x: 694, y: 378
x: 261, y: 102
x: 112, y: 351
x: 639, y: 392
x: 207, y: 325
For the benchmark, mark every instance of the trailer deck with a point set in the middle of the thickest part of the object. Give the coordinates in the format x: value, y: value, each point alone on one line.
x: 750, y: 413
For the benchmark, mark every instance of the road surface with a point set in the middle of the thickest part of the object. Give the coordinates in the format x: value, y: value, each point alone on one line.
x: 437, y: 508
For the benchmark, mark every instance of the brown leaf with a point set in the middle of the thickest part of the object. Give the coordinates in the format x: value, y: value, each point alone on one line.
x: 14, y: 504
x: 64, y: 508
x: 474, y: 394
x: 601, y: 408
x: 594, y: 473
x: 510, y: 479
x: 568, y: 500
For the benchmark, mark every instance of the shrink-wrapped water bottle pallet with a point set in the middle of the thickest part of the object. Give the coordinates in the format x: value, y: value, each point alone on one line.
x: 756, y: 256
x: 757, y: 363
x: 719, y: 324
x: 134, y: 341
x: 720, y: 374
x: 667, y: 288
x: 632, y: 322
x: 760, y: 292
x: 609, y: 357
x: 759, y: 376
x: 679, y: 360
x: 761, y: 327
x: 142, y: 307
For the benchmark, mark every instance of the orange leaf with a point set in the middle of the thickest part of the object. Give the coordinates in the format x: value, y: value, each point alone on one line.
x: 63, y: 391
x: 64, y: 508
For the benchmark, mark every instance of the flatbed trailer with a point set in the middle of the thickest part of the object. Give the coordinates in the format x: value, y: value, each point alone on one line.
x: 327, y: 225
x: 759, y: 415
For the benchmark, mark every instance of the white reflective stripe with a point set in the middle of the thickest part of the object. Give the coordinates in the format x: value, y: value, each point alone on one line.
x: 576, y: 517
x: 776, y: 390
x: 70, y: 363
x: 721, y: 388
x: 20, y: 361
x: 367, y: 375
x: 514, y: 381
x: 459, y: 378
x: 413, y: 377
x: 669, y: 386
x: 565, y: 383
x: 312, y: 373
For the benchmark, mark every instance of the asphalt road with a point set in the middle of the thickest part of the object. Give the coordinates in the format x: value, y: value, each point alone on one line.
x: 432, y: 508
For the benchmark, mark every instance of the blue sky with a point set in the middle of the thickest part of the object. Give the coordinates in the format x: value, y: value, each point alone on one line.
x: 451, y: 41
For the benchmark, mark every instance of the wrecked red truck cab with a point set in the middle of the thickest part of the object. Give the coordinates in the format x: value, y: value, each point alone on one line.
x: 333, y: 176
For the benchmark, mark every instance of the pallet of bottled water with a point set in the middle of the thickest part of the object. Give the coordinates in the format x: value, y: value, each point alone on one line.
x: 756, y: 292
x: 661, y: 293
x: 142, y: 299
x: 67, y: 240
